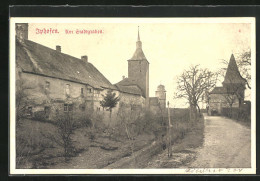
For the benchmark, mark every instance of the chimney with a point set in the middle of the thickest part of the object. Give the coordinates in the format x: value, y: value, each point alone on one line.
x: 58, y: 48
x: 84, y: 58
x: 21, y: 30
x: 123, y: 77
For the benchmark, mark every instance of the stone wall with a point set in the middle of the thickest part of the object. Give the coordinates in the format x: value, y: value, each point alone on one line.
x: 51, y: 94
x: 56, y: 94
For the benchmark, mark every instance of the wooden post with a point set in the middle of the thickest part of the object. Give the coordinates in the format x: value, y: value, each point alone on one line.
x: 169, y: 133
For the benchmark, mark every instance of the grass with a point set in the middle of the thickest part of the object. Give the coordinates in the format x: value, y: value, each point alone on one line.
x: 98, y: 152
x: 183, y: 148
x: 95, y: 148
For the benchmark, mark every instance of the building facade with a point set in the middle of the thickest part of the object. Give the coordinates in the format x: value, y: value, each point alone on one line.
x: 231, y: 94
x: 55, y: 82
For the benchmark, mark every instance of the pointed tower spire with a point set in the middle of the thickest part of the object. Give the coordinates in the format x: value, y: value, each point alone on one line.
x: 232, y: 73
x: 138, y: 43
x: 139, y: 54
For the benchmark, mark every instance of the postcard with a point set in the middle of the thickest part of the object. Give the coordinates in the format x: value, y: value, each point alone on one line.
x: 132, y: 95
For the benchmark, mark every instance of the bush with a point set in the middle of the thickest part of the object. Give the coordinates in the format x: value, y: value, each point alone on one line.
x: 39, y: 116
x: 237, y: 114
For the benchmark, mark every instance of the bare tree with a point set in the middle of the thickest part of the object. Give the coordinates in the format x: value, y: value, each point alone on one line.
x: 66, y: 124
x: 192, y: 85
x: 244, y: 65
x: 129, y: 113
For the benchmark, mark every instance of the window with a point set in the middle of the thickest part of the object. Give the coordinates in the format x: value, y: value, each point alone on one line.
x: 29, y: 111
x: 67, y: 89
x: 96, y: 93
x: 89, y: 90
x: 47, y: 85
x: 82, y: 107
x: 68, y: 107
x: 82, y: 90
x: 65, y: 107
x: 47, y: 111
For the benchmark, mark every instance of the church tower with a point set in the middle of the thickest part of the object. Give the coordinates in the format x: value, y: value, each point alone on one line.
x: 161, y: 94
x: 138, y: 70
x: 233, y: 81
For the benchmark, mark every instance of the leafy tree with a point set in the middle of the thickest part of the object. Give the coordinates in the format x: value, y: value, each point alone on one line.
x: 109, y: 101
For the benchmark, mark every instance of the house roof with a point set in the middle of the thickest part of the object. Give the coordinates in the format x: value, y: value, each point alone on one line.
x: 126, y: 82
x: 38, y: 59
x: 219, y: 90
x: 131, y: 89
x: 128, y: 86
x: 232, y: 74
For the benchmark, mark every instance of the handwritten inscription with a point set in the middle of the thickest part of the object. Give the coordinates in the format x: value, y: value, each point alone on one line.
x: 213, y: 170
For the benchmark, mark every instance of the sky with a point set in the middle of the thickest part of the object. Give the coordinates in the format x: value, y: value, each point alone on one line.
x: 170, y: 48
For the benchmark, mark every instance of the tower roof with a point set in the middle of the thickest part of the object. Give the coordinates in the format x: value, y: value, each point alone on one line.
x: 232, y: 74
x: 139, y: 54
x: 161, y: 88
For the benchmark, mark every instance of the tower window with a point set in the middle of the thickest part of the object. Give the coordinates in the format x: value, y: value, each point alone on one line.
x: 68, y: 107
x: 89, y: 90
x: 47, y: 85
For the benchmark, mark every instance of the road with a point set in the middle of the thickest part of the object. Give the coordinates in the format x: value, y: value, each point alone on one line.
x: 227, y: 144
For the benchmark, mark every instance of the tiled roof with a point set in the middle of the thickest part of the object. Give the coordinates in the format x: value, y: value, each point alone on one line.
x: 38, y: 59
x: 128, y: 86
x: 138, y: 55
x: 131, y: 89
x: 219, y: 90
x: 233, y: 74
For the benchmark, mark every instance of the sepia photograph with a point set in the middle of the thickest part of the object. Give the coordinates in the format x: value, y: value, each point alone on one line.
x: 132, y: 96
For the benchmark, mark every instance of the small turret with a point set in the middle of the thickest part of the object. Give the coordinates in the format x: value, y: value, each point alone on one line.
x: 161, y: 94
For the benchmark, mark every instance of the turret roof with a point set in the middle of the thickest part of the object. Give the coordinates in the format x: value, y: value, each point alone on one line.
x: 139, y: 54
x: 232, y: 74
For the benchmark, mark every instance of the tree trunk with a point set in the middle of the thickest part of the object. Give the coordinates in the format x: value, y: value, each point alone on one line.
x: 110, y: 116
x: 198, y: 109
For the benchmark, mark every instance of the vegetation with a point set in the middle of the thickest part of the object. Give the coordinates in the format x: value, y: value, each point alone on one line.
x: 192, y: 84
x: 109, y: 101
x: 235, y: 91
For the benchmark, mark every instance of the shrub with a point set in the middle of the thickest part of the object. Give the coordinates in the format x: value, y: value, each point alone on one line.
x: 237, y: 114
x: 39, y: 116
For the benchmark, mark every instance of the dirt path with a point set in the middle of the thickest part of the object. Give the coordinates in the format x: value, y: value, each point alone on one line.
x: 227, y: 144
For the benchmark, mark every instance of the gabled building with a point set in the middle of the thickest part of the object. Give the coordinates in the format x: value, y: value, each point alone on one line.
x: 54, y: 81
x: 232, y: 93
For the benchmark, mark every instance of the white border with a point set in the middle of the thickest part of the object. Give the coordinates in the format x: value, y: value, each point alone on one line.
x: 13, y: 170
